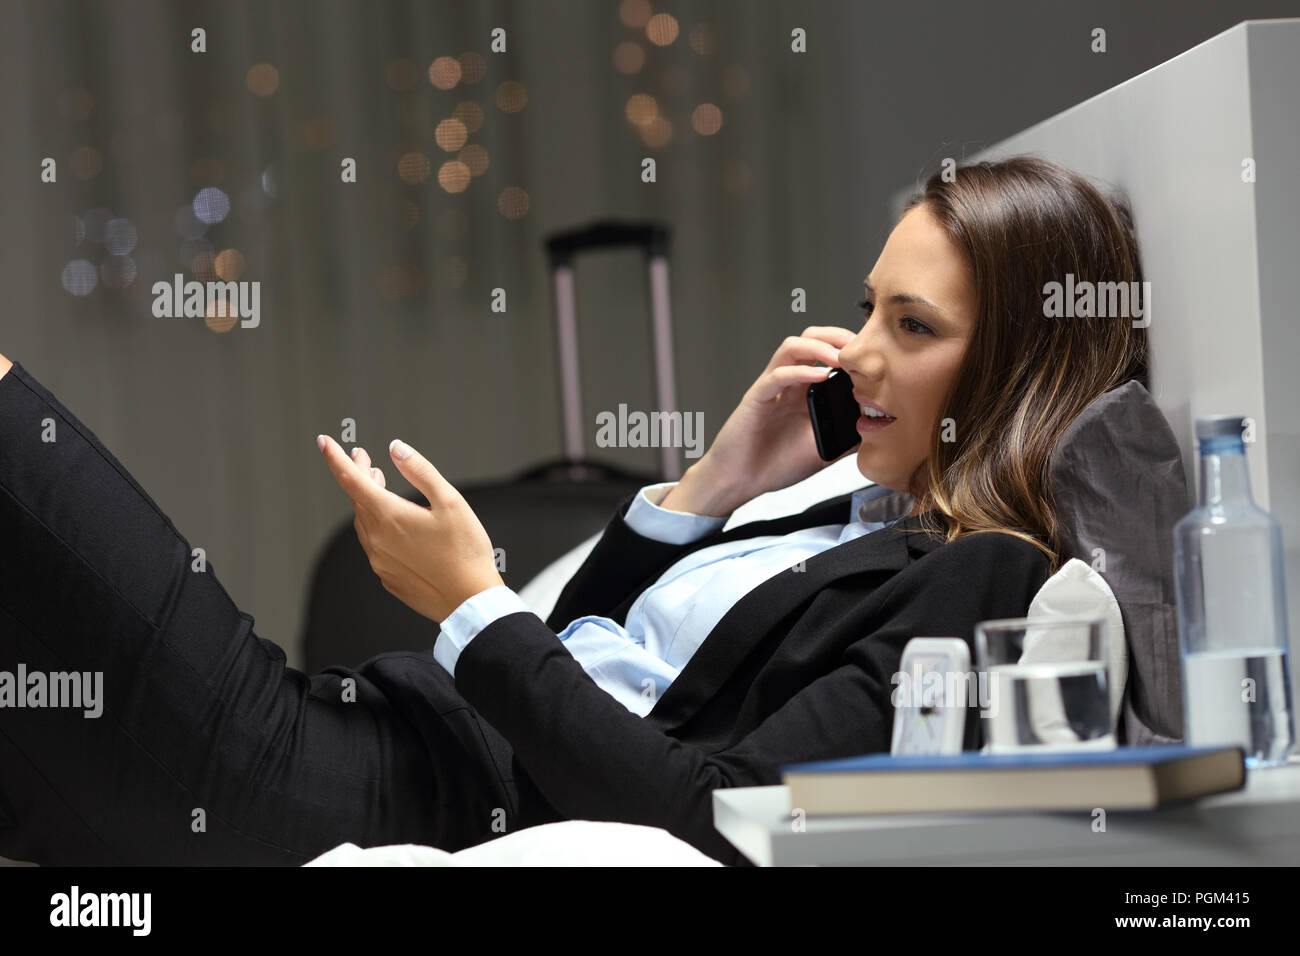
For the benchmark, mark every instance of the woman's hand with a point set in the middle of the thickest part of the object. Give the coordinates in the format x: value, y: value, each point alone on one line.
x: 431, y: 559
x: 768, y: 442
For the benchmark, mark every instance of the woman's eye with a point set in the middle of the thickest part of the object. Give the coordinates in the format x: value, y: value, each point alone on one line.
x: 911, y: 325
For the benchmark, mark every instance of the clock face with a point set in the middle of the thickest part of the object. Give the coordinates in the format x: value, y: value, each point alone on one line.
x: 925, y: 736
x: 926, y: 722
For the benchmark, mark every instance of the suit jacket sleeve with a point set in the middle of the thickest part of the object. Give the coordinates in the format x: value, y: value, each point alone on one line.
x: 593, y: 759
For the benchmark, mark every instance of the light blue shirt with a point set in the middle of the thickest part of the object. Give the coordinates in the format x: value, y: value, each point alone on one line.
x: 637, y: 661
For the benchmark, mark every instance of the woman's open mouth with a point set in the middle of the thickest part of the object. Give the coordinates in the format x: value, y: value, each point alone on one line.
x: 866, y: 423
x: 872, y: 417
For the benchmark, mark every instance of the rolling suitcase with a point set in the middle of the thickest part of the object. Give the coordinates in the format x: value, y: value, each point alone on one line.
x: 535, y: 516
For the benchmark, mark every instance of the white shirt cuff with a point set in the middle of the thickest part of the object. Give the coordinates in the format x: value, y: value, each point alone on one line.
x: 473, y: 614
x: 646, y: 518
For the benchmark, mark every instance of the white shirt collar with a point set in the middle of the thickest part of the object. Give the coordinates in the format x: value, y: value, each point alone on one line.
x: 876, y: 503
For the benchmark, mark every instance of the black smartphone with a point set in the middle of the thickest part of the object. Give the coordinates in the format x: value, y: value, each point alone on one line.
x: 834, y: 413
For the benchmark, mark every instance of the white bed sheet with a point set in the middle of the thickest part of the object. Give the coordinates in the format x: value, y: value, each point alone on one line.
x: 567, y: 843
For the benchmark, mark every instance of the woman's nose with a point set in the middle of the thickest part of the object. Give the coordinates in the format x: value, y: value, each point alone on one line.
x: 862, y: 355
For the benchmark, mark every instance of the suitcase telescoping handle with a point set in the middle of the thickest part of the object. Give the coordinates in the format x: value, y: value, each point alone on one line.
x: 561, y: 248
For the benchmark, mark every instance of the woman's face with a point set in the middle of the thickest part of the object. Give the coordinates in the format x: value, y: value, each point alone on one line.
x: 920, y: 314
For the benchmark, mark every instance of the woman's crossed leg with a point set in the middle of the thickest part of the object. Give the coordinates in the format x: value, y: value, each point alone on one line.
x: 189, y: 740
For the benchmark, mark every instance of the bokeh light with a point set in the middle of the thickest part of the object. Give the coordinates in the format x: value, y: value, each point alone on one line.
x: 475, y: 157
x: 229, y: 265
x: 469, y: 113
x: 513, y: 203
x: 472, y: 67
x: 269, y: 184
x: 221, y: 314
x: 657, y: 133
x: 78, y: 229
x: 444, y: 72
x: 204, y: 266
x: 195, y: 249
x: 80, y: 277
x: 706, y: 119
x: 454, y: 176
x: 119, y: 236
x: 211, y: 205
x: 451, y: 134
x: 634, y: 13
x: 511, y: 96
x: 662, y: 29
x: 262, y: 79
x: 628, y: 57
x: 641, y: 108
x: 413, y: 167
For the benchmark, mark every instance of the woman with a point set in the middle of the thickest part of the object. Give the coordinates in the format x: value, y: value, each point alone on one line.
x: 209, y: 750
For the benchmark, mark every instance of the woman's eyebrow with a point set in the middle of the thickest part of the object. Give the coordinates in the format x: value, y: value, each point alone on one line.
x: 904, y: 298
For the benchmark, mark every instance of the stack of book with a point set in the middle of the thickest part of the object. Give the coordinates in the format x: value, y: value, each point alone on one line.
x: 1126, y: 778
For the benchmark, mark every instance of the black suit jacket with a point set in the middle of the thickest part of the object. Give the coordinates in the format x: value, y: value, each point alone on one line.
x: 799, y: 669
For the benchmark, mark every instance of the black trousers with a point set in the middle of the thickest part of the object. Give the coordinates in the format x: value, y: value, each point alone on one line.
x: 208, y: 749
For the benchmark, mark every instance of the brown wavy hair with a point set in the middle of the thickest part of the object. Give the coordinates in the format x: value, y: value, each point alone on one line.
x: 1024, y: 222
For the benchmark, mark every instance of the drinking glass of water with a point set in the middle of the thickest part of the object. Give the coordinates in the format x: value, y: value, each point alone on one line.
x: 1046, y: 685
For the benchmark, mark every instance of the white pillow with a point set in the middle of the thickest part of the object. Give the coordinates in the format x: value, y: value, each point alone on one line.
x: 1076, y: 590
x: 565, y: 843
x: 543, y: 591
x: 831, y: 482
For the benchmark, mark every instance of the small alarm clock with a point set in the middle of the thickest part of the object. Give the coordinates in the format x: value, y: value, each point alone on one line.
x: 930, y: 712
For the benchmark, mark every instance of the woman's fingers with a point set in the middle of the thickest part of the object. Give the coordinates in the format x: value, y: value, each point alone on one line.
x: 771, y: 384
x: 832, y: 334
x: 807, y: 349
x: 361, y: 458
x: 356, y: 483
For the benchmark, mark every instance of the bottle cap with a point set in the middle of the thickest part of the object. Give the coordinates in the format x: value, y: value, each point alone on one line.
x: 1212, y: 426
